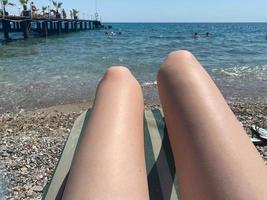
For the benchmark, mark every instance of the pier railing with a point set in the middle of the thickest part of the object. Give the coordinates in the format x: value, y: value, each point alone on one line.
x: 44, y: 26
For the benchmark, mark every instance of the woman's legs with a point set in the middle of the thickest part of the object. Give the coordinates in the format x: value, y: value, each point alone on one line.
x: 110, y: 163
x: 213, y: 155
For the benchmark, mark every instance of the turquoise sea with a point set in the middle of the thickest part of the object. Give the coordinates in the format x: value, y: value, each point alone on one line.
x: 66, y: 69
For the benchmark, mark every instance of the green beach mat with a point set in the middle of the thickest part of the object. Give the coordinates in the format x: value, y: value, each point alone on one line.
x: 159, y: 158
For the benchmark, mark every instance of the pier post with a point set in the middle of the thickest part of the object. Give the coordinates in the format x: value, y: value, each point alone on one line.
x: 81, y: 26
x: 72, y: 26
x: 52, y: 30
x: 66, y: 27
x: 93, y: 24
x: 38, y: 26
x: 45, y: 29
x: 75, y: 26
x: 58, y: 27
x: 50, y: 27
x: 6, y: 28
x: 25, y: 29
x: 16, y: 25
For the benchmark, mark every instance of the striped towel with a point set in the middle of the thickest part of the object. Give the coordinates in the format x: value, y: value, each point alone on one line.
x: 159, y: 158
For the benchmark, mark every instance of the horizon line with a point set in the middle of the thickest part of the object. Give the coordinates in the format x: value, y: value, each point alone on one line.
x: 147, y: 22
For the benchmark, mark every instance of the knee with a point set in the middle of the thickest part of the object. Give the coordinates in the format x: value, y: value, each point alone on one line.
x: 176, y: 62
x: 177, y: 58
x: 120, y: 76
x: 180, y: 55
x: 118, y: 73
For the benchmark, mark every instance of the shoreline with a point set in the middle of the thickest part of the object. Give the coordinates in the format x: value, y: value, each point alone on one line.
x: 32, y: 141
x: 150, y: 93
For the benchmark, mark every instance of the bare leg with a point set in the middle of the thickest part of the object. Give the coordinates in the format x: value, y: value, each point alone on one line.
x: 213, y: 155
x: 110, y: 163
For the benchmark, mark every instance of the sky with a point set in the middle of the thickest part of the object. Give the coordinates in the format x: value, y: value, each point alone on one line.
x: 167, y: 10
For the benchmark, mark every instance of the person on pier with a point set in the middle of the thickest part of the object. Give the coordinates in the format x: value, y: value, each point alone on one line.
x: 75, y: 14
x: 64, y: 14
x: 33, y: 9
x: 71, y: 14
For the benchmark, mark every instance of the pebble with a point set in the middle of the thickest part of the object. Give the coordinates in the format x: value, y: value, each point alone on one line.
x: 4, y: 154
x: 37, y: 189
x: 9, y: 130
x: 30, y: 193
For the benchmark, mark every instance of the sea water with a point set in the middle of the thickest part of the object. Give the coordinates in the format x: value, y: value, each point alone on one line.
x: 66, y: 69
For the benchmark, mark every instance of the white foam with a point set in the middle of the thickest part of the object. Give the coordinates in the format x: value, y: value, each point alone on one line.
x: 149, y: 84
x: 257, y: 72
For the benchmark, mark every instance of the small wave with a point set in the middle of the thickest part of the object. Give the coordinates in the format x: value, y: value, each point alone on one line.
x: 56, y: 77
x: 256, y: 72
x: 165, y: 37
x: 233, y: 74
x: 147, y: 84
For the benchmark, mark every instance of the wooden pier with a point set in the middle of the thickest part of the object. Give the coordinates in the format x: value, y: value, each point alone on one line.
x: 44, y: 26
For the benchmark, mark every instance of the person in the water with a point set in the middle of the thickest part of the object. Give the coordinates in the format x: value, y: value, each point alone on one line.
x: 113, y: 33
x: 208, y: 34
x: 196, y: 35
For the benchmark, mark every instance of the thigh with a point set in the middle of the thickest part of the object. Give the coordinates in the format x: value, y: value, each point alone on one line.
x: 214, y: 157
x: 110, y: 163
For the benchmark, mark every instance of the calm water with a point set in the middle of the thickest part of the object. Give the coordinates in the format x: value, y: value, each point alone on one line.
x: 66, y: 69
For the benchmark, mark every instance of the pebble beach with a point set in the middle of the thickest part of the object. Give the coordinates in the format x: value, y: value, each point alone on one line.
x: 32, y: 141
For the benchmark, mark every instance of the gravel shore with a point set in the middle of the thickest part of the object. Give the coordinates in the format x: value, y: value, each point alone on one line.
x: 31, y: 143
